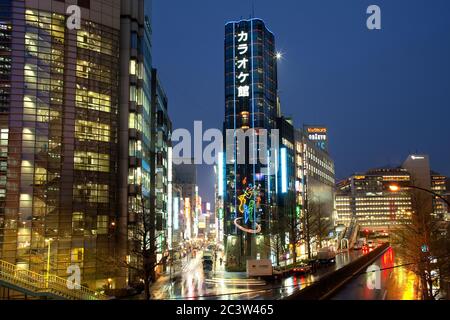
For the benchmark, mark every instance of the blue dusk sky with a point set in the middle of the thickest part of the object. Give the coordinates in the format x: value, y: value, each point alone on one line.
x: 383, y: 94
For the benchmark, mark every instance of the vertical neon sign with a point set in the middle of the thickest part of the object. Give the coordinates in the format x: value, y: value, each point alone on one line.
x: 176, y: 212
x: 169, y: 202
x: 221, y: 173
x: 284, y: 183
x: 187, y: 212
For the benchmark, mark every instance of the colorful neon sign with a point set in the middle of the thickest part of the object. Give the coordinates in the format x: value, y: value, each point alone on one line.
x: 242, y: 65
x: 254, y: 231
x: 247, y: 205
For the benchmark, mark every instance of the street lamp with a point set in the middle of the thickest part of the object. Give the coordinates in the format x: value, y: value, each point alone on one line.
x: 49, y: 244
x: 394, y: 188
x: 397, y: 188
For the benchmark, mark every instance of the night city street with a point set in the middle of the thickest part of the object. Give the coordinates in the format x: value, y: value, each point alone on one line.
x: 214, y: 159
x: 193, y: 283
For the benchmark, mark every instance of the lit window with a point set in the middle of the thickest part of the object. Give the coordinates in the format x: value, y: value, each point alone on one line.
x: 93, y: 100
x: 91, y: 161
x: 77, y: 255
x: 102, y: 224
x: 92, y: 131
x: 91, y: 192
x: 133, y: 67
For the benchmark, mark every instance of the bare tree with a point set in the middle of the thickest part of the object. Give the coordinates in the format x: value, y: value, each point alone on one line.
x: 297, y: 233
x: 319, y: 223
x: 306, y: 236
x: 422, y: 242
x: 143, y: 248
x: 277, y: 231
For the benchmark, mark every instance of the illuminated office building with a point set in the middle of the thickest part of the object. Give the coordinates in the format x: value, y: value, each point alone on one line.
x: 418, y: 165
x: 447, y: 197
x: 58, y: 124
x: 253, y: 190
x: 314, y: 185
x: 79, y: 137
x: 177, y: 214
x: 367, y: 199
x: 186, y: 180
x: 162, y: 186
x: 135, y: 133
x: 439, y: 186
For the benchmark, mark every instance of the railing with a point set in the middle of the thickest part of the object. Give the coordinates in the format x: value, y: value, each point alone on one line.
x: 42, y: 285
x: 351, y: 233
x: 329, y: 284
x: 354, y: 236
x: 340, y: 237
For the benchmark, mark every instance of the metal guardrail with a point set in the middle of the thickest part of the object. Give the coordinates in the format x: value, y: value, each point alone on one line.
x: 42, y: 285
x: 330, y: 283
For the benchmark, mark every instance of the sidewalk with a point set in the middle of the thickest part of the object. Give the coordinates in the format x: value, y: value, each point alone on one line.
x: 163, y: 281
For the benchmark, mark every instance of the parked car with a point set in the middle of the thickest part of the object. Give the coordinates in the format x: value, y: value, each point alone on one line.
x: 359, y: 244
x: 302, y: 268
x: 263, y: 268
x: 326, y: 255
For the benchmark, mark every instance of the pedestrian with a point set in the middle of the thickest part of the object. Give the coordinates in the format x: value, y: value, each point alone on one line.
x: 220, y: 260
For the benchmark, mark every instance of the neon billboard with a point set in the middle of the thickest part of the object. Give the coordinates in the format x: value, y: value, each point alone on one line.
x: 248, y: 202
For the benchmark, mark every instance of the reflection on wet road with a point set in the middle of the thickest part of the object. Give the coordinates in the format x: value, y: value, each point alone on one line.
x: 193, y: 283
x: 396, y: 283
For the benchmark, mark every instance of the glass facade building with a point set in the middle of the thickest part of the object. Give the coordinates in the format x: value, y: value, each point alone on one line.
x: 162, y: 164
x: 59, y: 116
x: 366, y: 199
x: 144, y: 147
x: 84, y: 139
x: 251, y: 104
x: 135, y: 136
x: 314, y: 186
x: 439, y: 186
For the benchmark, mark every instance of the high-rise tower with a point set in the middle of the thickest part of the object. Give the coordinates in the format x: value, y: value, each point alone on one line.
x: 250, y: 105
x: 58, y: 124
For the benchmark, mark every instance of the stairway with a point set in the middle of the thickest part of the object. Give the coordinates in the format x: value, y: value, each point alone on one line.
x: 351, y: 233
x: 37, y: 285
